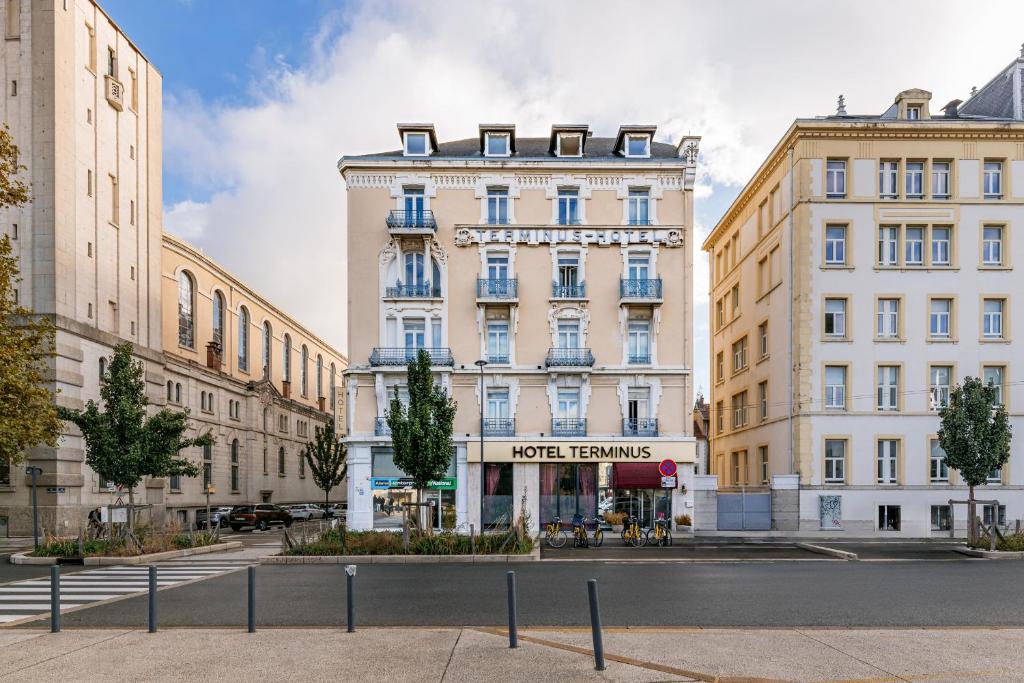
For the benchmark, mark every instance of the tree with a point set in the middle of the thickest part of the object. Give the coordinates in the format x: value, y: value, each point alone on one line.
x: 975, y: 435
x: 122, y: 445
x: 28, y: 416
x: 326, y: 459
x: 421, y: 434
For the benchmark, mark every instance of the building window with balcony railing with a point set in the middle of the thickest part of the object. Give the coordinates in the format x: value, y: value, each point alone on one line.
x: 638, y: 207
x: 568, y: 422
x: 497, y: 206
x: 568, y: 334
x: 638, y: 421
x: 497, y: 422
x: 568, y: 206
x: 639, y: 341
x: 569, y: 283
x: 497, y: 342
x: 414, y: 331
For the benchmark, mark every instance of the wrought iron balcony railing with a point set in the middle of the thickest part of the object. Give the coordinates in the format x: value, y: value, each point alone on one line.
x: 640, y: 221
x: 569, y: 426
x: 570, y: 357
x: 568, y: 291
x: 499, y: 426
x: 640, y: 426
x: 421, y: 291
x: 380, y: 427
x: 645, y: 288
x: 639, y: 359
x: 412, y: 220
x: 497, y: 358
x: 387, y: 355
x: 497, y: 288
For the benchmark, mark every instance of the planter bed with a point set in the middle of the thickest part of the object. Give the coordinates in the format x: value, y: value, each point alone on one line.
x: 26, y: 558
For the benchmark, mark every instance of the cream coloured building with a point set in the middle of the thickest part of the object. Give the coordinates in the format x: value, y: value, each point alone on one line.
x: 564, y: 262
x: 876, y: 256
x: 84, y: 106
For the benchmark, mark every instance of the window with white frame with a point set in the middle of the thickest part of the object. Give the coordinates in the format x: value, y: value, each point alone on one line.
x: 835, y: 461
x: 638, y: 405
x: 993, y: 179
x: 888, y: 246
x: 414, y: 333
x: 497, y: 341
x: 739, y: 410
x: 568, y: 206
x: 835, y: 318
x: 497, y: 403
x: 913, y: 112
x: 939, y: 318
x: 889, y: 517
x: 762, y: 458
x: 416, y: 144
x: 938, y: 470
x: 888, y: 388
x: 568, y: 334
x: 992, y: 318
x: 835, y: 178
x: 568, y: 403
x: 835, y: 387
x: 941, y: 238
x: 942, y: 519
x: 940, y: 179
x: 1000, y: 513
x: 719, y: 417
x: 497, y: 206
x: 888, y: 172
x: 992, y: 376
x: 940, y: 378
x: 913, y: 246
x: 762, y: 335
x: 835, y: 245
x: 888, y: 460
x: 915, y: 179
x: 888, y: 326
x: 568, y: 269
x: 498, y: 144
x: 995, y: 476
x: 720, y: 366
x: 719, y: 313
x: 497, y: 265
x: 762, y: 400
x: 992, y: 245
x: 739, y: 355
x: 639, y: 340
x: 638, y: 266
x: 638, y: 145
x: 638, y: 206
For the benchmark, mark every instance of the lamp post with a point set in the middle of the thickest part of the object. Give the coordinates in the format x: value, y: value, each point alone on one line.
x: 480, y: 364
x: 34, y: 472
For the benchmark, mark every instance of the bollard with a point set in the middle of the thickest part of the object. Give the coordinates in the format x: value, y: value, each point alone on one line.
x: 350, y: 574
x: 595, y: 625
x: 513, y: 627
x: 472, y: 540
x: 252, y: 599
x: 55, y: 599
x: 152, y: 598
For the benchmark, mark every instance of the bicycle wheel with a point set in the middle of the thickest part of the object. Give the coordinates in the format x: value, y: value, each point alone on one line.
x: 557, y: 539
x: 637, y: 539
x: 649, y: 538
x: 598, y: 538
x: 667, y: 540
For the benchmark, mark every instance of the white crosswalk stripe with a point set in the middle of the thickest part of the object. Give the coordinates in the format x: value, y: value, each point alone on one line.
x: 31, y: 597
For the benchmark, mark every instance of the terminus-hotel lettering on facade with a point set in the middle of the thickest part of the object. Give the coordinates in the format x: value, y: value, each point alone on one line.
x: 579, y: 452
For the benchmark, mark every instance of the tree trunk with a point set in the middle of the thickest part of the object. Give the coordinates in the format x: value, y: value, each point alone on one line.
x: 972, y: 527
x: 131, y: 509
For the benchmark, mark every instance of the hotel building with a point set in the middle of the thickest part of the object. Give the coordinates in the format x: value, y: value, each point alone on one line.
x: 877, y: 257
x: 564, y: 262
x: 83, y: 104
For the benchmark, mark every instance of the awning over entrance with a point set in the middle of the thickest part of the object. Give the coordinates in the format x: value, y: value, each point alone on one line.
x: 636, y: 475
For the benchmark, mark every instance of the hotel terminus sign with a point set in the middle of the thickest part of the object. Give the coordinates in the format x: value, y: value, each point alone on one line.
x: 527, y: 451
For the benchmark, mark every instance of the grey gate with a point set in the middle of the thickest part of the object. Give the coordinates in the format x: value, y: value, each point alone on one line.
x: 744, y: 511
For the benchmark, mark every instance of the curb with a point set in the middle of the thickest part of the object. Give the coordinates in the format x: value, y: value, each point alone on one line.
x: 991, y: 554
x: 825, y: 550
x: 533, y: 556
x: 25, y: 558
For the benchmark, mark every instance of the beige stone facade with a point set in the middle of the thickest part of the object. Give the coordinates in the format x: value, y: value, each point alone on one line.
x: 565, y: 263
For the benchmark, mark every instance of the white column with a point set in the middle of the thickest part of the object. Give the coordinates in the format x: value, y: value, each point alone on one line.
x: 360, y: 497
x: 461, y: 491
x: 473, y: 495
x: 526, y: 479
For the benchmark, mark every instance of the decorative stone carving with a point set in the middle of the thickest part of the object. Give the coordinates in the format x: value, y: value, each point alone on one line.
x: 690, y: 153
x: 674, y: 238
x: 389, y: 253
x: 463, y: 237
x: 438, y: 252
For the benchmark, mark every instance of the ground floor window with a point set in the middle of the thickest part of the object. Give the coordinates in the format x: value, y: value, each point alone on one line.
x: 941, y: 518
x: 393, y: 494
x: 987, y: 515
x: 633, y: 489
x: 498, y: 495
x: 888, y: 517
x: 567, y: 490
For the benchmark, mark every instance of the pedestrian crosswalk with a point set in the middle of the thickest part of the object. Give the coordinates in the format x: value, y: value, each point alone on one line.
x: 29, y: 598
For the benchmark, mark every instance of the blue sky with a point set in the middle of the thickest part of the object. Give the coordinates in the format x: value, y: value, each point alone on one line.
x: 261, y: 97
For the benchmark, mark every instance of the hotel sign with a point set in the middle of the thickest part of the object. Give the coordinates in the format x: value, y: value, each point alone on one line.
x: 670, y: 237
x: 583, y: 451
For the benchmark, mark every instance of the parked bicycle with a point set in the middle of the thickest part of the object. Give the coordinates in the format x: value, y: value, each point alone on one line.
x: 632, y: 533
x: 554, y: 534
x: 660, y: 534
x: 579, y: 532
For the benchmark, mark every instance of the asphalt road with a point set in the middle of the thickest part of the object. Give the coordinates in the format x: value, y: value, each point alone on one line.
x: 785, y: 593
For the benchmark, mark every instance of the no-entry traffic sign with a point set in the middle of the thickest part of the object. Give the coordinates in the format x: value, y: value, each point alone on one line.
x: 667, y: 468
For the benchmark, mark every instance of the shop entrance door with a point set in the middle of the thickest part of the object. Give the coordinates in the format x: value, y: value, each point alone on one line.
x: 646, y: 504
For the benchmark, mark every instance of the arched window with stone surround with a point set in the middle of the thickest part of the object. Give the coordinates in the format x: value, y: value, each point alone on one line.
x: 332, y: 385
x: 186, y: 311
x: 267, y: 340
x: 243, y: 339
x: 218, y: 320
x: 304, y: 371
x: 319, y: 376
x: 287, y: 358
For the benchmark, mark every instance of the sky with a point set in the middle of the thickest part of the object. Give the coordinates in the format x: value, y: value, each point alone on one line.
x: 261, y: 98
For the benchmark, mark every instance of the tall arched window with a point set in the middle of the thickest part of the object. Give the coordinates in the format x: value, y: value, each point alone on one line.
x: 266, y: 349
x: 170, y: 391
x: 287, y: 358
x: 414, y: 274
x: 331, y: 384
x: 186, y: 311
x: 435, y: 282
x: 304, y: 370
x: 103, y: 367
x: 280, y: 461
x: 218, y: 320
x: 319, y: 376
x: 243, y: 339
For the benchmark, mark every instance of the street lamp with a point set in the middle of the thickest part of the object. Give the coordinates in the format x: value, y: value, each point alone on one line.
x: 34, y: 472
x: 480, y: 364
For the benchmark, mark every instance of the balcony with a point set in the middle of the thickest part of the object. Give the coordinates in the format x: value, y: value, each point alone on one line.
x: 411, y: 222
x: 497, y: 358
x: 569, y: 357
x: 569, y: 426
x: 646, y: 289
x: 639, y: 359
x: 578, y: 291
x: 640, y: 221
x: 497, y: 289
x: 640, y: 426
x: 398, y: 355
x: 499, y: 426
x: 421, y: 291
x: 380, y: 427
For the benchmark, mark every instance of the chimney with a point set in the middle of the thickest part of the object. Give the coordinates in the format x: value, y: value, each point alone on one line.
x: 213, y: 355
x: 322, y: 403
x: 286, y: 388
x: 952, y: 109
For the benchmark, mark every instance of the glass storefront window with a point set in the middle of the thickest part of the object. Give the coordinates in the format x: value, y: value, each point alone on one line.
x: 634, y: 493
x: 391, y: 495
x: 498, y: 512
x: 567, y: 490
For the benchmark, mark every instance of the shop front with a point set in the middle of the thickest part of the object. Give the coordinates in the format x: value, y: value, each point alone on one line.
x: 393, y: 494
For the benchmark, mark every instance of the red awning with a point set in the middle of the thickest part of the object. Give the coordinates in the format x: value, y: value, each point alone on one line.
x: 636, y: 475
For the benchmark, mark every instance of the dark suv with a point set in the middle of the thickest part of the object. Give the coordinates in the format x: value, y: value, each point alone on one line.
x: 260, y: 516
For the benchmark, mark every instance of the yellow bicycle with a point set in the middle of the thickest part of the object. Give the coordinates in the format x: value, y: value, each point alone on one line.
x: 554, y: 534
x: 660, y: 534
x: 632, y: 534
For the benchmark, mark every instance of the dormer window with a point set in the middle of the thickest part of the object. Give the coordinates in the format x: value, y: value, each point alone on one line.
x: 570, y: 145
x: 416, y: 145
x: 913, y: 112
x: 498, y: 145
x: 638, y: 146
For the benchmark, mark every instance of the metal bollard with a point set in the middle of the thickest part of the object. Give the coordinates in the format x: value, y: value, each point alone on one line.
x: 472, y: 540
x: 595, y: 625
x: 350, y: 575
x: 252, y: 599
x: 152, y: 598
x: 55, y: 599
x: 513, y: 627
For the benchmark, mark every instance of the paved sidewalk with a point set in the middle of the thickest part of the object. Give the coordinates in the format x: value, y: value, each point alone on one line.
x: 468, y: 654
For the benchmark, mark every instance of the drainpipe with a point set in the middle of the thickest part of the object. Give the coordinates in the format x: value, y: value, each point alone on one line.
x: 792, y: 293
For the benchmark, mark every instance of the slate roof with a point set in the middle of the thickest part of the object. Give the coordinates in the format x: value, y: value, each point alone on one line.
x: 596, y: 148
x: 996, y: 98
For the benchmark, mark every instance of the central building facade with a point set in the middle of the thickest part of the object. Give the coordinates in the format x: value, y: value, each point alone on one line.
x: 563, y: 262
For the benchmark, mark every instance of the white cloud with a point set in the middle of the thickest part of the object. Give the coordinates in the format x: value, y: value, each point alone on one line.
x: 736, y: 73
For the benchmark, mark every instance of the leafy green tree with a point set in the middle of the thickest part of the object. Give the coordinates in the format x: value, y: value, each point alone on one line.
x: 421, y: 434
x: 975, y: 435
x: 325, y: 456
x: 28, y: 416
x: 122, y: 445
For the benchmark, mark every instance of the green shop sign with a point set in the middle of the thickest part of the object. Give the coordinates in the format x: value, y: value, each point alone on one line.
x: 443, y: 484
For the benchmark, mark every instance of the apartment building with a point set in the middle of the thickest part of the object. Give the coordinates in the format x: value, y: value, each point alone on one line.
x: 875, y: 257
x: 550, y: 280
x: 84, y: 106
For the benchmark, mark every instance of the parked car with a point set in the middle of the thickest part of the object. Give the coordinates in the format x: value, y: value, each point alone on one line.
x: 338, y: 510
x: 305, y: 511
x: 259, y: 516
x: 219, y: 515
